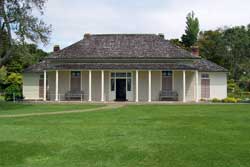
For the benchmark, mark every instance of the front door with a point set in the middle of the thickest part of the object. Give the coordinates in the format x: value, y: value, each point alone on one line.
x: 120, y: 89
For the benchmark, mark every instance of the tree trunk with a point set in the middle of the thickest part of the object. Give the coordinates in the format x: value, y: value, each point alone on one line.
x: 5, y: 26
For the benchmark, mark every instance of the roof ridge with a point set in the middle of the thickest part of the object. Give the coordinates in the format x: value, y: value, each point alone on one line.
x: 122, y: 34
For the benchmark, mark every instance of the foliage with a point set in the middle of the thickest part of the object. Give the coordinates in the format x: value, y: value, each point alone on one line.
x: 13, y: 85
x: 228, y: 47
x: 192, y: 30
x: 177, y: 42
x: 24, y: 55
x: 232, y: 86
x: 203, y: 100
x: 14, y: 78
x: 230, y: 100
x: 216, y: 100
x: 13, y: 91
x: 244, y: 83
x: 211, y: 46
x: 18, y: 19
x: 3, y: 76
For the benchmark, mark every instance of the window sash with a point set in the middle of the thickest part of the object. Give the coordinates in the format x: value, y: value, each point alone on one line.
x: 112, y: 86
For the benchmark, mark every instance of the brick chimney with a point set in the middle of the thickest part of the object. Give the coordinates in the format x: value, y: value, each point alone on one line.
x: 56, y: 48
x: 195, y: 51
x: 87, y: 35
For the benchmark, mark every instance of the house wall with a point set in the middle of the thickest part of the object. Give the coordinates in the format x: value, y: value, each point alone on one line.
x: 96, y: 85
x: 52, y: 83
x: 218, y: 85
x: 143, y: 86
x: 63, y: 83
x: 31, y: 85
x: 190, y: 86
x: 178, y: 84
x: 134, y: 84
x: 106, y: 85
x: 156, y: 85
x: 85, y: 85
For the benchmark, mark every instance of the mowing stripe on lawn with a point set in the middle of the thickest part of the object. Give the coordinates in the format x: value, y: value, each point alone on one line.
x: 109, y: 106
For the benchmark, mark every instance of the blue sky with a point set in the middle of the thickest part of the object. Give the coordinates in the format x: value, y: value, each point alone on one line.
x: 70, y: 19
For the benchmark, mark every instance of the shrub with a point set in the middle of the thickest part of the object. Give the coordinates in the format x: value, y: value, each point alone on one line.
x: 203, y: 100
x: 247, y: 100
x: 12, y: 91
x: 230, y: 100
x: 14, y: 78
x: 216, y: 100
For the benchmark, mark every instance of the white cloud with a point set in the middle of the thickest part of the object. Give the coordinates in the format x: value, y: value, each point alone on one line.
x: 71, y: 19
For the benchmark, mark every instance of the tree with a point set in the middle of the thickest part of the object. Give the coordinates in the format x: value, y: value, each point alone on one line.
x: 24, y: 56
x: 16, y: 17
x: 3, y: 74
x: 3, y: 77
x: 192, y: 30
x: 212, y: 46
x: 228, y: 47
x: 177, y: 42
x: 237, y: 44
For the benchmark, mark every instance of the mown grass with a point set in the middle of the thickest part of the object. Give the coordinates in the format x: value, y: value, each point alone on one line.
x: 21, y: 108
x: 135, y: 135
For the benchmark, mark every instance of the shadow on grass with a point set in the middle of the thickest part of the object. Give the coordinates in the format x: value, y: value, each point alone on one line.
x: 15, y: 153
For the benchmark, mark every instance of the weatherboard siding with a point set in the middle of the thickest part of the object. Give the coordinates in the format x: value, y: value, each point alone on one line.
x: 218, y: 84
x: 31, y: 86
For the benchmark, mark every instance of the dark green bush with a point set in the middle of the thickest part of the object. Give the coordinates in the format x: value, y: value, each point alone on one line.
x: 13, y: 91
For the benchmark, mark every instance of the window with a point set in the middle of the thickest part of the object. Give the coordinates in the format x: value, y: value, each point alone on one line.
x: 112, y: 85
x: 205, y: 76
x: 167, y: 73
x: 75, y: 74
x: 42, y: 77
x: 112, y: 74
x: 128, y: 84
x: 120, y: 74
x: 128, y: 74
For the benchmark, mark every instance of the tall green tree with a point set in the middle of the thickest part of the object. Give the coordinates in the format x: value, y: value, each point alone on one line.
x: 237, y: 43
x: 17, y: 19
x: 23, y: 56
x: 228, y: 47
x: 212, y: 46
x: 192, y: 30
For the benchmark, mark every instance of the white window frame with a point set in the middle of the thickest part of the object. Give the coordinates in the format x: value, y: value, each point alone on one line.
x: 129, y: 94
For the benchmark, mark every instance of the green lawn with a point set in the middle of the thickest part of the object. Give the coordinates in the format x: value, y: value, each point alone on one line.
x: 132, y: 136
x: 18, y: 108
